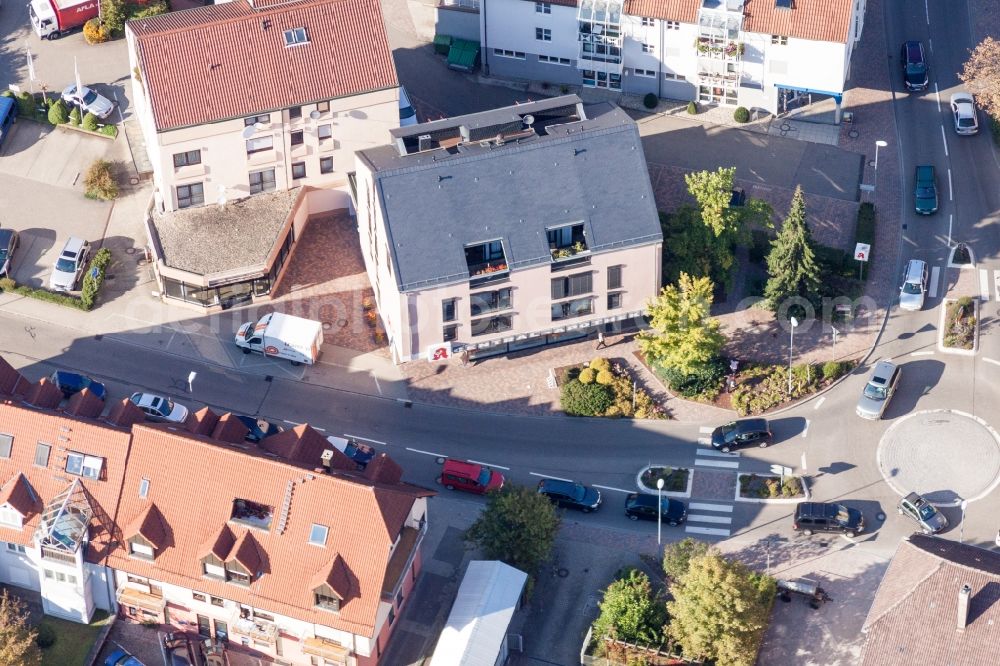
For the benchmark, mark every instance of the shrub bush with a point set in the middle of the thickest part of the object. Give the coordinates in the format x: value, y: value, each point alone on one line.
x: 587, y: 376
x: 74, y: 117
x: 769, y: 387
x: 114, y: 14
x: 58, y: 113
x: 46, y: 637
x: 7, y: 284
x: 585, y: 399
x: 96, y: 32
x: 706, y: 383
x: 91, y: 282
x: 741, y: 115
x: 25, y: 105
x: 834, y: 369
x: 650, y: 101
x: 791, y: 487
x: 605, y: 378
x: 108, y: 130
x: 89, y: 122
x: 600, y: 363
x: 100, y: 182
x: 147, y: 11
x: 692, y: 108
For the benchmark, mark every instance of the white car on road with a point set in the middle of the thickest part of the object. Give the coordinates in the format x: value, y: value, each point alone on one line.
x: 158, y: 408
x: 963, y: 108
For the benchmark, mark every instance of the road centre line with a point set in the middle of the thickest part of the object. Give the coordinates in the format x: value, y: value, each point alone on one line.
x: 805, y: 431
x: 921, y: 353
x: 819, y: 402
x: 701, y: 506
x: 951, y: 192
x: 937, y: 92
x: 486, y: 464
x: 944, y: 140
x: 950, y: 219
x: 549, y: 476
x: 935, y: 276
x: 365, y: 439
x: 927, y: 13
x: 427, y: 453
x: 991, y: 360
x: 617, y: 490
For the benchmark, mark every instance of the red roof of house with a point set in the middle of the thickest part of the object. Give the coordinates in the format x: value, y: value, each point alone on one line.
x: 17, y: 492
x: 225, y: 61
x: 194, y: 488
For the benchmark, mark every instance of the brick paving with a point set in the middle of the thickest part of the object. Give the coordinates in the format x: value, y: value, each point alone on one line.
x: 713, y: 485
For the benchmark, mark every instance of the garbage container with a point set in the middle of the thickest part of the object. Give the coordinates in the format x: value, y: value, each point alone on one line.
x: 441, y: 44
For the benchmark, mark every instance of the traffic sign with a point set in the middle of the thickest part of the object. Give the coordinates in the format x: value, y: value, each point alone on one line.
x: 861, y: 251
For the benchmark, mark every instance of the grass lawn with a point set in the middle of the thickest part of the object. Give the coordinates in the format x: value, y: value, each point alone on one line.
x: 73, y: 640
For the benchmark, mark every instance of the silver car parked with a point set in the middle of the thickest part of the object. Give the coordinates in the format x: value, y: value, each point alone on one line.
x: 879, y: 390
x: 926, y: 515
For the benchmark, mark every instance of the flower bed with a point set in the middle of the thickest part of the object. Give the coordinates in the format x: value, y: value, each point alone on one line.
x: 960, y: 324
x: 603, y: 389
x: 675, y: 479
x: 769, y: 487
x: 760, y: 388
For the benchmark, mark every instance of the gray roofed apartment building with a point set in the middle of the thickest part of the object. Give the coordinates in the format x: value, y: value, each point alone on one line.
x: 509, y: 228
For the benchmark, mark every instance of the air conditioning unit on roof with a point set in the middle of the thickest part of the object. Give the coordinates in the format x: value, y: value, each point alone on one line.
x: 424, y: 142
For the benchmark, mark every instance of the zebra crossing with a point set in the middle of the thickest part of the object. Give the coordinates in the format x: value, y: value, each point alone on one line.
x: 988, y: 289
x: 708, y: 517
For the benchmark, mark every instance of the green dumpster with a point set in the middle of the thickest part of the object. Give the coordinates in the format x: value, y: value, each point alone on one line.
x: 441, y: 44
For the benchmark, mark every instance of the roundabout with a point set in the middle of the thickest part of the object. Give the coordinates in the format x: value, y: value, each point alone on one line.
x: 945, y: 455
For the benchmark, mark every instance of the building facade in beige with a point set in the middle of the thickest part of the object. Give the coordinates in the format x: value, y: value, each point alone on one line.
x: 508, y: 229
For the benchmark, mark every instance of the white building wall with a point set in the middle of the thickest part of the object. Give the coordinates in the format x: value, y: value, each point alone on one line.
x: 19, y: 569
x: 69, y: 598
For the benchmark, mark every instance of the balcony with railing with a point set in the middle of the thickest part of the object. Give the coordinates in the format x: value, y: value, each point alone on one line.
x: 131, y: 597
x: 487, y: 263
x: 254, y: 628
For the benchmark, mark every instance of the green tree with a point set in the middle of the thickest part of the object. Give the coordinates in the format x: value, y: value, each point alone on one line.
x: 791, y: 264
x: 518, y: 526
x: 17, y: 638
x: 58, y: 113
x: 114, y: 14
x: 683, y: 335
x: 677, y: 556
x: 74, y: 116
x: 90, y: 122
x: 630, y: 611
x: 720, y: 610
x: 713, y: 190
x: 981, y: 73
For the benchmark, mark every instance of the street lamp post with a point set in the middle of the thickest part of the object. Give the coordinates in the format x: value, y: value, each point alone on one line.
x: 791, y: 343
x: 659, y: 508
x: 878, y: 144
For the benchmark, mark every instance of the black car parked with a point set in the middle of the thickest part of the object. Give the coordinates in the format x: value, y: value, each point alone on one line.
x: 643, y: 505
x: 71, y: 383
x: 258, y: 429
x: 746, y: 432
x: 811, y: 517
x: 914, y: 65
x: 570, y: 494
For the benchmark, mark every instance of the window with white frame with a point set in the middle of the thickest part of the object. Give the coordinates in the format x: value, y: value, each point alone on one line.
x: 674, y: 76
x: 543, y: 7
x: 543, y: 34
x: 672, y: 25
x: 553, y: 60
x: 15, y: 548
x: 84, y: 465
x: 6, y: 443
x: 324, y: 132
x: 214, y: 570
x: 10, y: 516
x: 42, y: 451
x: 648, y: 22
x: 260, y: 144
x: 507, y: 53
x: 648, y: 48
x: 141, y: 549
x: 296, y: 36
x: 317, y: 535
x: 779, y: 40
x: 645, y: 72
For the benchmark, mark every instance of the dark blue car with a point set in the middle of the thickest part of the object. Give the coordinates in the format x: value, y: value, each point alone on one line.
x: 121, y: 658
x: 258, y: 429
x: 71, y: 383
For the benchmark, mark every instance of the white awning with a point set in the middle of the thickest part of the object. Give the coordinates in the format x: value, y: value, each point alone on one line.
x: 477, y: 625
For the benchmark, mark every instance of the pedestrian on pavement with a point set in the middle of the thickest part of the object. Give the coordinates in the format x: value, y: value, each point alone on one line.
x: 464, y: 356
x: 600, y: 341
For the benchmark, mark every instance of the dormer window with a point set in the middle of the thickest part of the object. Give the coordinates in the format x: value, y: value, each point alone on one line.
x: 252, y: 514
x: 139, y: 547
x: 11, y: 517
x: 296, y: 36
x: 325, y: 600
x: 213, y: 567
x: 484, y: 258
x: 566, y: 241
x: 83, y: 465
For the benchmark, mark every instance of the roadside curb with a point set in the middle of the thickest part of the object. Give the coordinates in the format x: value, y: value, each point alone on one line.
x: 944, y: 349
x: 778, y: 500
x: 643, y: 488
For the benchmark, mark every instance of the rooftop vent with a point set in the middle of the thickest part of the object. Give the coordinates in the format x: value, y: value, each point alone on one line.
x: 424, y: 142
x: 963, y: 607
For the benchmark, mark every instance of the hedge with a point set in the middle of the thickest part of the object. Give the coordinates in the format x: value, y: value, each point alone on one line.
x: 94, y: 277
x: 91, y: 285
x: 7, y: 284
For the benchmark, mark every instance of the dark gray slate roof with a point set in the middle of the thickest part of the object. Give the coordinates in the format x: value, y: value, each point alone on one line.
x: 437, y: 202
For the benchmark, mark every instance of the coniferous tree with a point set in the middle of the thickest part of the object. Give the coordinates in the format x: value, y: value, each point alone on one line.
x: 791, y: 264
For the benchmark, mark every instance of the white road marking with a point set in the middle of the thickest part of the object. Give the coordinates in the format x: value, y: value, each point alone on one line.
x: 707, y: 441
x: 365, y: 439
x: 944, y: 140
x: 819, y: 402
x: 984, y: 284
x: 996, y: 283
x: 617, y: 490
x: 951, y: 193
x: 486, y: 464
x: 805, y: 431
x: 950, y: 219
x: 706, y: 430
x: 701, y: 506
x: 717, y: 454
x: 318, y: 428
x: 927, y: 13
x: 804, y: 468
x: 427, y: 453
x: 930, y: 43
x: 937, y: 92
x: 710, y: 531
x: 922, y: 353
x: 549, y: 476
x: 991, y: 360
x: 294, y: 423
x: 719, y: 520
x: 716, y: 463
x: 935, y: 276
x: 378, y: 386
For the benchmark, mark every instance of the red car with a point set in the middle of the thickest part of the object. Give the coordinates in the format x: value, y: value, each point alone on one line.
x: 470, y: 477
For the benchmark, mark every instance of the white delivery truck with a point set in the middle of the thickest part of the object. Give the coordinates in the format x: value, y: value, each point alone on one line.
x: 282, y: 336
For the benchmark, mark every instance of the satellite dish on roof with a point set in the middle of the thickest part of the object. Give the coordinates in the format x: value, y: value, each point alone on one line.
x: 248, y: 131
x: 529, y: 120
x: 314, y: 114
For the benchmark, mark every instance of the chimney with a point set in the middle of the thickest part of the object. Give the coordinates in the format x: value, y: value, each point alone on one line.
x: 963, y: 607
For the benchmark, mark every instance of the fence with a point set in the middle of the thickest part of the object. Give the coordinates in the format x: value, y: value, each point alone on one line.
x: 654, y: 656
